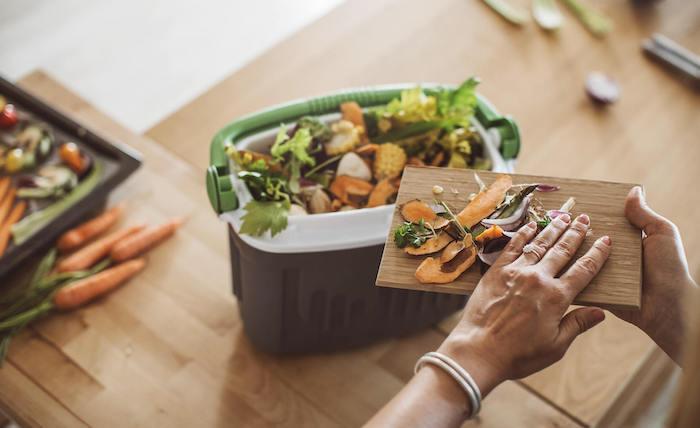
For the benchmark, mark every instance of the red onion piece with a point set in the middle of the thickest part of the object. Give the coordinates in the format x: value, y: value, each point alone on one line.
x: 601, y: 88
x: 511, y: 222
x: 546, y: 188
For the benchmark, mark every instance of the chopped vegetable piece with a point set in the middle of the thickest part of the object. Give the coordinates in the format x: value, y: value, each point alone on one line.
x: 389, y: 161
x: 85, y: 290
x: 432, y: 271
x: 381, y: 193
x: 14, y: 161
x: 6, y: 204
x: 52, y: 181
x: 594, y: 21
x: 485, y: 202
x: 140, y: 242
x: 72, y: 156
x: 416, y: 211
x: 489, y: 234
x: 351, y: 191
x: 511, y: 13
x: 77, y: 237
x: 449, y: 253
x: 352, y: 112
x: 602, y: 89
x: 432, y: 245
x: 32, y: 223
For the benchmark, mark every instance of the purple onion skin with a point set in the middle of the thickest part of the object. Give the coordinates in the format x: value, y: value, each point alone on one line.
x: 546, y: 188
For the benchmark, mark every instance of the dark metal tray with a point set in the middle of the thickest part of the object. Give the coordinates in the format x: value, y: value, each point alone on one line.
x: 119, y: 161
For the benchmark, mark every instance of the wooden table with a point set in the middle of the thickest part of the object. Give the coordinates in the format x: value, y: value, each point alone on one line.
x: 169, y: 350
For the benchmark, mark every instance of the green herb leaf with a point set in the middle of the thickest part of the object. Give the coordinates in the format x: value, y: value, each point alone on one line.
x: 412, y: 234
x: 263, y: 216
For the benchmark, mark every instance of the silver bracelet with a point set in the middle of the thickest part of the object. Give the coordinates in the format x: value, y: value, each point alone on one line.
x: 458, y: 373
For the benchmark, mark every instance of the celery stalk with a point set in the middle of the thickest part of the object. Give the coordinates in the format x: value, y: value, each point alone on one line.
x: 32, y: 223
x: 511, y: 13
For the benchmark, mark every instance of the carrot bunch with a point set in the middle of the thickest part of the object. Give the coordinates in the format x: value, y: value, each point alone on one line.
x: 93, y: 262
x: 10, y: 212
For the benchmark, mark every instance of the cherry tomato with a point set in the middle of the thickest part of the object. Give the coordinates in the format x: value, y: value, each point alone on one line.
x: 8, y: 116
x: 14, y: 160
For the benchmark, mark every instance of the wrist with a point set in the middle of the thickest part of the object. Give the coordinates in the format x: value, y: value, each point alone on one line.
x: 469, y: 354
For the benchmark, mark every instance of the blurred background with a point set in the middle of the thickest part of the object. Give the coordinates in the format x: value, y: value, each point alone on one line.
x: 140, y: 60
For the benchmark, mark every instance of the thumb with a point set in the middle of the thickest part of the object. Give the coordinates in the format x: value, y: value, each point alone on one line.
x: 578, y: 321
x: 640, y: 214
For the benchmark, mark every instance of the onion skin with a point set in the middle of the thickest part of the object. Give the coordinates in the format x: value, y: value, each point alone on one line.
x: 513, y: 221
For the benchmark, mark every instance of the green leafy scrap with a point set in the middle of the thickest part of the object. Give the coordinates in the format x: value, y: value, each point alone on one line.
x: 414, y: 234
x: 263, y: 216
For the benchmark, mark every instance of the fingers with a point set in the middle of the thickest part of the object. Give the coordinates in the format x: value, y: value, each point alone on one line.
x: 641, y: 215
x: 515, y: 247
x: 577, y: 322
x: 564, y: 250
x: 535, y: 250
x: 580, y: 274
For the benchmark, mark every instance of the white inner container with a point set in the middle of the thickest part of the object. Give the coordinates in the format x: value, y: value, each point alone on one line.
x: 338, y: 230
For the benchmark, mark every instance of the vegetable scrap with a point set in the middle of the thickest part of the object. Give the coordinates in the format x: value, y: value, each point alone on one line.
x: 41, y: 175
x: 88, y: 262
x: 356, y: 162
x: 602, y: 89
x: 480, y: 230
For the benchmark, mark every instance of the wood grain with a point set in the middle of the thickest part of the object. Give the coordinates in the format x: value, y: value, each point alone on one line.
x: 168, y: 349
x: 618, y: 285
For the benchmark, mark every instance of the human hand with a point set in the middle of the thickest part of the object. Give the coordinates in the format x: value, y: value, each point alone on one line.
x: 515, y: 322
x: 665, y: 277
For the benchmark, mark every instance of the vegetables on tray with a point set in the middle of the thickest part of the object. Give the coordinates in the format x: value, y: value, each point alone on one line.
x: 481, y: 229
x: 356, y: 161
x: 55, y: 287
x: 79, y: 236
x: 42, y: 181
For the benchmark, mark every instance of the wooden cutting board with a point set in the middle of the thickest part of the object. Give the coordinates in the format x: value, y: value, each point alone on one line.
x: 618, y: 285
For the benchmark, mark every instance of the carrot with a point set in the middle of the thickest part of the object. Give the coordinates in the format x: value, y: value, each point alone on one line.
x: 6, y: 203
x: 80, y: 292
x: 80, y: 235
x: 143, y: 241
x: 352, y: 112
x: 96, y: 251
x: 485, y: 202
x: 492, y: 232
x: 4, y: 186
x: 6, y: 229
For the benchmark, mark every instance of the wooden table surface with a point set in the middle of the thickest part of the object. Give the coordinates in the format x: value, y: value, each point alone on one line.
x: 168, y: 349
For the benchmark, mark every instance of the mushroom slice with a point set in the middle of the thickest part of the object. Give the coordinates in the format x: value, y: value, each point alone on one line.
x: 432, y: 245
x: 451, y: 251
x: 432, y: 271
x: 417, y: 210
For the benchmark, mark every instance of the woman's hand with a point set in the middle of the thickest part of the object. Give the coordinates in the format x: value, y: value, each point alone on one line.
x: 515, y: 322
x: 665, y: 278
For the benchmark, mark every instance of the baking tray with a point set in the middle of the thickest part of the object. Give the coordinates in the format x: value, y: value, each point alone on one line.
x: 118, y: 162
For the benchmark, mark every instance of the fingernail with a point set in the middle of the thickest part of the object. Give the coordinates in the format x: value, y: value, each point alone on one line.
x: 532, y: 225
x: 606, y: 240
x: 598, y: 315
x: 583, y: 218
x: 566, y: 218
